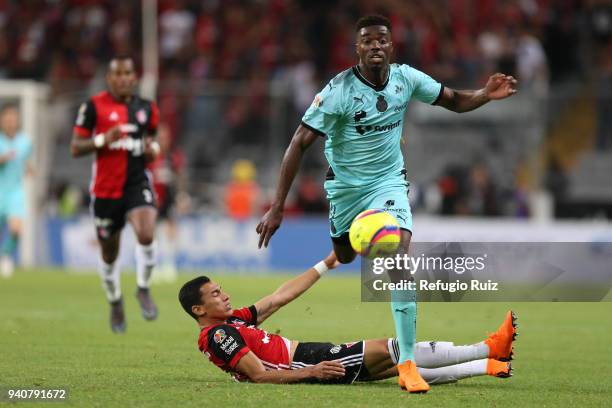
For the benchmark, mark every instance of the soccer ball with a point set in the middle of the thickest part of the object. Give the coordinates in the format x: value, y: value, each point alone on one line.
x: 375, y: 233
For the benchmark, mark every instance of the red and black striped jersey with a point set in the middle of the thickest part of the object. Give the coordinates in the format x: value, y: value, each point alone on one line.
x: 225, y: 344
x: 121, y: 163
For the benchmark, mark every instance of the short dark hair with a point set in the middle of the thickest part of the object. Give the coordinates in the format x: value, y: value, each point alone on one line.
x: 121, y: 57
x: 373, y: 20
x: 190, y: 294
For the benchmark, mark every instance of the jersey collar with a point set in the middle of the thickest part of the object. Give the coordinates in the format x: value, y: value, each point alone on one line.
x: 377, y: 88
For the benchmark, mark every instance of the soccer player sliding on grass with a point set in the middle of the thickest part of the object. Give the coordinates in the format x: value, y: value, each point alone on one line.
x: 361, y: 114
x: 232, y: 340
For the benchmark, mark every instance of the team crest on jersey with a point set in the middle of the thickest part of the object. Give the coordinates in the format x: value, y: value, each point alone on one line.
x: 141, y: 116
x: 219, y: 336
x: 317, y: 101
x: 381, y: 104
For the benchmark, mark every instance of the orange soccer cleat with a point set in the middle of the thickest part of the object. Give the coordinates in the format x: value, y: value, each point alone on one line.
x: 500, y: 342
x: 410, y: 379
x: 499, y: 369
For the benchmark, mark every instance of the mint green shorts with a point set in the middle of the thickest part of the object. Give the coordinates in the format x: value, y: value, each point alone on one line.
x: 346, y: 203
x: 12, y: 204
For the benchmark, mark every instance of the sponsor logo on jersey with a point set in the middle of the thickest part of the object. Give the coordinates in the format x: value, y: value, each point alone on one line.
x: 136, y: 146
x: 113, y: 116
x: 400, y: 107
x: 219, y: 336
x: 360, y: 115
x: 335, y: 349
x: 387, y: 127
x: 390, y: 203
x: 229, y: 345
x: 398, y: 89
x: 432, y: 344
x: 141, y: 116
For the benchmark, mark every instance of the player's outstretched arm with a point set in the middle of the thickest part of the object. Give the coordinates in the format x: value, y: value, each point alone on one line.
x: 80, y: 146
x: 293, y: 288
x: 251, y: 366
x: 302, y: 139
x: 499, y: 86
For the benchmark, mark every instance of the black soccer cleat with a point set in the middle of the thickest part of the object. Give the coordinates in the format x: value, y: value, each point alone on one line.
x: 117, y: 316
x: 147, y: 306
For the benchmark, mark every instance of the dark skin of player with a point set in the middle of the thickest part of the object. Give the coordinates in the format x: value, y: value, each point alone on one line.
x: 121, y: 80
x: 374, y: 48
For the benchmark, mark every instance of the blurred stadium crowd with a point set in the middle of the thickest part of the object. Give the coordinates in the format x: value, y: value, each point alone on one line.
x: 220, y: 61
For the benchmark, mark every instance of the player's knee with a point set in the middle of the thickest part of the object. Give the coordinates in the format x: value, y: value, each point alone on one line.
x: 145, y: 238
x: 15, y: 227
x: 109, y: 256
x: 346, y: 257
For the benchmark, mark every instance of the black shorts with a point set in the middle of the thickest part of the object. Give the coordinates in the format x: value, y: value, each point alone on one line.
x: 110, y: 214
x: 349, y: 354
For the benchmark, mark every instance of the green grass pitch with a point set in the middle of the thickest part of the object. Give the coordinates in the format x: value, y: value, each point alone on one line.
x: 54, y: 333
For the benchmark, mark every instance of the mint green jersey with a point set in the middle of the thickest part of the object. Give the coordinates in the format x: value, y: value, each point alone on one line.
x: 363, y: 123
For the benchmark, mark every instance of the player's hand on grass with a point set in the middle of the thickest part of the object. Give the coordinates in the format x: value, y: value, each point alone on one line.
x: 268, y: 225
x: 331, y: 260
x: 500, y: 86
x: 328, y: 370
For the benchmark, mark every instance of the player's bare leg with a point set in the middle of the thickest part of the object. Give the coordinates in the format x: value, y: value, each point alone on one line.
x: 108, y: 268
x: 9, y: 246
x: 404, y: 310
x: 143, y: 221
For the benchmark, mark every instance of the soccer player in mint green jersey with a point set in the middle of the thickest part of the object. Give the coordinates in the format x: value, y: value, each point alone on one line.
x: 15, y: 149
x: 361, y: 114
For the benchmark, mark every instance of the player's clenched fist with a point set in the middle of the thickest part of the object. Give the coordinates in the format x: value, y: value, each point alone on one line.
x: 327, y: 370
x: 268, y: 225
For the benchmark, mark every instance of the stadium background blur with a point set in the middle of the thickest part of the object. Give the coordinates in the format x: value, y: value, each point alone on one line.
x: 234, y: 78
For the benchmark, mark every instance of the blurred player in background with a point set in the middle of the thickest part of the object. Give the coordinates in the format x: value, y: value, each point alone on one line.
x: 15, y: 149
x: 167, y: 170
x: 119, y: 127
x: 361, y: 111
x: 232, y: 340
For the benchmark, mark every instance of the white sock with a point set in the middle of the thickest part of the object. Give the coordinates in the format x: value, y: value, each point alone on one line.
x: 146, y: 258
x: 453, y: 373
x: 109, y: 273
x: 432, y: 354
